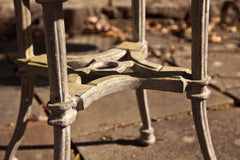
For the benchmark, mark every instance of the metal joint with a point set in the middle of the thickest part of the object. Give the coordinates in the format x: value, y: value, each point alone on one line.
x: 63, y: 114
x: 197, y: 89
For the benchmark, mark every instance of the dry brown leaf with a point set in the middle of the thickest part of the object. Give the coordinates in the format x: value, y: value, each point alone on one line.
x: 210, y: 55
x: 12, y: 124
x: 215, y: 38
x: 93, y: 19
x: 122, y: 37
x: 99, y: 27
x: 91, y: 26
x: 232, y: 29
x: 110, y: 34
x: 174, y: 27
x: 78, y: 157
x: 158, y: 27
x: 230, y: 46
x: 171, y: 48
x: 106, y: 27
x: 165, y: 30
x: 107, y: 138
x: 115, y: 29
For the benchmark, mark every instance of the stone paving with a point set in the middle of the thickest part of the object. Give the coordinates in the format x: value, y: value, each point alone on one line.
x: 176, y: 140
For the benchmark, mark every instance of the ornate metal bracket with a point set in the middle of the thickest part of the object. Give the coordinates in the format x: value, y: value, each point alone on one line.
x: 63, y: 114
x: 122, y: 68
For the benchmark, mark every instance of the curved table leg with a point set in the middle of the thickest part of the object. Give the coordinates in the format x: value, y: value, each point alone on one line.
x: 201, y: 125
x: 27, y: 86
x: 147, y: 132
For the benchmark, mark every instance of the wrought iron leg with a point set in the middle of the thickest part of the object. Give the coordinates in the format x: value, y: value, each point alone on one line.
x: 62, y: 141
x: 60, y: 104
x: 201, y: 125
x: 27, y: 84
x: 147, y: 132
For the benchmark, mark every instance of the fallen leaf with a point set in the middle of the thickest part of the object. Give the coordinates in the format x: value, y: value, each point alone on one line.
x: 211, y: 55
x: 107, y: 138
x: 154, y: 119
x: 233, y: 29
x: 120, y: 124
x: 106, y: 27
x: 171, y: 48
x: 78, y: 157
x: 231, y: 46
x: 93, y: 19
x: 110, y: 34
x: 12, y: 124
x: 215, y: 38
x: 174, y: 27
x: 99, y: 27
x: 165, y: 30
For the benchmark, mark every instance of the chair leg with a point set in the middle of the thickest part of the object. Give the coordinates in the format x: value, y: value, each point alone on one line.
x: 147, y: 132
x: 27, y: 86
x: 62, y: 141
x: 201, y: 125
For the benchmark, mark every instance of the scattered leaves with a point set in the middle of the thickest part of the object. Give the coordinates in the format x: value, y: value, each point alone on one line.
x: 216, y: 76
x: 171, y: 48
x: 78, y: 157
x: 232, y: 29
x: 12, y: 124
x: 101, y: 26
x: 153, y: 26
x: 165, y: 30
x: 119, y: 125
x: 92, y: 20
x: 169, y: 118
x: 107, y: 138
x: 211, y: 55
x: 190, y: 113
x: 155, y: 119
x: 215, y: 38
x: 222, y: 108
x: 231, y: 46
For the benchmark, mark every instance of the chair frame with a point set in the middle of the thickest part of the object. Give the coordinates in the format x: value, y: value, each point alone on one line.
x: 66, y: 101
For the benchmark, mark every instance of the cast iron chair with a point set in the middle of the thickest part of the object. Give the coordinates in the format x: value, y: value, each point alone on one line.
x: 77, y: 81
